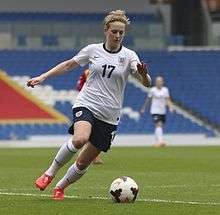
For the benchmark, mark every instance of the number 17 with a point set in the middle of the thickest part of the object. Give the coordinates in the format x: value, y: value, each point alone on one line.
x: 110, y: 68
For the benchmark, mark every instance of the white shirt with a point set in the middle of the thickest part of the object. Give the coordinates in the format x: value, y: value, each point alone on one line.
x: 158, y: 100
x: 103, y: 91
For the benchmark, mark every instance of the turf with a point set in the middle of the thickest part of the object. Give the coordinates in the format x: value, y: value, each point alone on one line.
x: 172, y: 180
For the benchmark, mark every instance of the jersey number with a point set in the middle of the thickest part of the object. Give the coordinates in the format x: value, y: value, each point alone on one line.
x: 110, y: 70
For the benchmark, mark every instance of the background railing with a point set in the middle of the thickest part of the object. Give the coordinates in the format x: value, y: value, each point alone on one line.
x: 72, y: 31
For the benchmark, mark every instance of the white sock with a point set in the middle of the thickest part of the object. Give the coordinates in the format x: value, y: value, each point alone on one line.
x: 65, y: 153
x: 159, y: 134
x: 72, y: 175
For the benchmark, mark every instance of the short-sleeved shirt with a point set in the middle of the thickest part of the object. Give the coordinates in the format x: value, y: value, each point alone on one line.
x: 103, y: 92
x: 158, y: 100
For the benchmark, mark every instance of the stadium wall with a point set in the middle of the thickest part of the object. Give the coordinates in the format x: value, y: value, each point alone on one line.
x: 140, y: 6
x: 120, y: 140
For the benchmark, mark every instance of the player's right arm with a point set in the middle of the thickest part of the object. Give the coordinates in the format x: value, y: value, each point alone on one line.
x: 57, y: 70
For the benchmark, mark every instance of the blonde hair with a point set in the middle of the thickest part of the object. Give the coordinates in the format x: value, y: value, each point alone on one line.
x: 116, y: 15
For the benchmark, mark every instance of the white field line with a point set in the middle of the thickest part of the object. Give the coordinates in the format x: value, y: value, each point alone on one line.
x: 104, y: 188
x: 17, y: 189
x: 179, y: 202
x: 105, y: 198
x: 34, y: 189
x: 182, y: 186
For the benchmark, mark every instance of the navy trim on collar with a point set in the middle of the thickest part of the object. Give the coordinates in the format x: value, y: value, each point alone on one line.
x: 111, y: 52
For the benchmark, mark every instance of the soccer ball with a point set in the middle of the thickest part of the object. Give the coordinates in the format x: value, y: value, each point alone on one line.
x: 124, y: 189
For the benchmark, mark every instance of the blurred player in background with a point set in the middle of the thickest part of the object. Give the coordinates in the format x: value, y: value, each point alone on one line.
x: 80, y: 83
x: 97, y: 108
x: 159, y: 98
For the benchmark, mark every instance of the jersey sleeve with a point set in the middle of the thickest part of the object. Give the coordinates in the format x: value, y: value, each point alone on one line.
x: 82, y: 58
x: 134, y: 60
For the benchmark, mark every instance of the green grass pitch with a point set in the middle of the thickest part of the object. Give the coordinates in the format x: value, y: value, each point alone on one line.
x: 172, y: 180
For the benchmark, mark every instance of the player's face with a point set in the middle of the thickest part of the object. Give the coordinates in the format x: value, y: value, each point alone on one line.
x: 115, y: 34
x: 159, y: 82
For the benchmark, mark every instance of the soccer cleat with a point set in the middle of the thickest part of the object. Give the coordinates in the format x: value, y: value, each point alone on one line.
x: 159, y: 144
x: 43, y: 181
x: 97, y: 160
x: 58, y: 194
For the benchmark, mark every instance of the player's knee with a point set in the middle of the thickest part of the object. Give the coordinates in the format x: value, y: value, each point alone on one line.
x: 80, y: 141
x: 159, y: 124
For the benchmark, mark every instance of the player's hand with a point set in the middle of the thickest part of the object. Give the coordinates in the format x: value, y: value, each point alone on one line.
x: 143, y: 72
x: 142, y: 68
x: 35, y: 81
x: 142, y: 111
x: 171, y: 110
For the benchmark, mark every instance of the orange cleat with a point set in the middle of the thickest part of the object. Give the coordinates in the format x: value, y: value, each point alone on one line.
x: 43, y: 181
x: 58, y: 194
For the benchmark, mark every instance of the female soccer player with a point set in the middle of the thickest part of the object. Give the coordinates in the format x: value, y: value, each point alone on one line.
x: 96, y: 111
x: 159, y: 98
x: 80, y: 83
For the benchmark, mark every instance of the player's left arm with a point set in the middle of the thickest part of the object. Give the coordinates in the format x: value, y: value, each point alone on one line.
x: 146, y: 102
x: 142, y: 74
x: 170, y: 104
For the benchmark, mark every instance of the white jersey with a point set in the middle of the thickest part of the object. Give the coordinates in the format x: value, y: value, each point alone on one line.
x: 103, y: 91
x: 158, y: 100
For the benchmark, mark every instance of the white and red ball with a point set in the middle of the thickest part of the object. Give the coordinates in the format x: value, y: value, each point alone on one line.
x: 124, y: 189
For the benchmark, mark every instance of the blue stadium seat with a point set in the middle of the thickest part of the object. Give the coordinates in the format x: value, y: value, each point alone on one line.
x: 22, y: 40
x: 84, y: 17
x: 49, y: 40
x: 191, y: 76
x: 175, y: 40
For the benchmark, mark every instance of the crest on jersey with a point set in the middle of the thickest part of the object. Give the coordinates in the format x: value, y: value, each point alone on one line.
x: 121, y: 60
x: 79, y: 113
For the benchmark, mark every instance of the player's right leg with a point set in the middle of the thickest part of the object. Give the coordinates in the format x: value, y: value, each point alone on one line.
x: 82, y: 131
x: 77, y: 170
x: 100, y: 140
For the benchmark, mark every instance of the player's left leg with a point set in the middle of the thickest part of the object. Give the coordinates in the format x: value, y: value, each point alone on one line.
x: 88, y: 153
x: 159, y: 134
x: 65, y: 153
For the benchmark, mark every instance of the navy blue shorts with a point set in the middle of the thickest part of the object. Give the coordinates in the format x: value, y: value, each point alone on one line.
x: 102, y: 133
x: 159, y: 118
